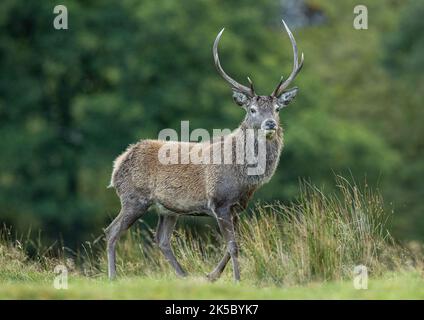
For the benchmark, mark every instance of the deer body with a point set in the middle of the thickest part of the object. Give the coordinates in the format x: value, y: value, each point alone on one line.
x: 187, y: 188
x: 219, y: 190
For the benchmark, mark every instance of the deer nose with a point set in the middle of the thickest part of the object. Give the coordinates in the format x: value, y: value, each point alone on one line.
x: 269, y: 124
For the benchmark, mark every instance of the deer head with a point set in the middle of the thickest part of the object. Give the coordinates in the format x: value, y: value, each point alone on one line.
x: 262, y: 112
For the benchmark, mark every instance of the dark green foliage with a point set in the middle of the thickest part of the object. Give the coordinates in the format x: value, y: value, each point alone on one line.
x: 72, y: 100
x: 404, y: 61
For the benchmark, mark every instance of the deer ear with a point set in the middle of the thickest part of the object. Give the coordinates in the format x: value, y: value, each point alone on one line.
x: 240, y: 98
x: 287, y: 96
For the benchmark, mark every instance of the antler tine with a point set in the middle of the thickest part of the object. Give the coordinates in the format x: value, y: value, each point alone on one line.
x: 235, y: 85
x: 296, y: 65
x: 278, y: 86
x: 252, y: 88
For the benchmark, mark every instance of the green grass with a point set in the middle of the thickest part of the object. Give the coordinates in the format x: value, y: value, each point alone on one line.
x: 394, y: 286
x: 304, y: 250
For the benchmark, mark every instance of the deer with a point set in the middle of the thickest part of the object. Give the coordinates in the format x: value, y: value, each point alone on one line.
x: 221, y: 191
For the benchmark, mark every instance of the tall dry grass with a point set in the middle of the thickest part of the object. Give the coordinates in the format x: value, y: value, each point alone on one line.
x: 317, y: 238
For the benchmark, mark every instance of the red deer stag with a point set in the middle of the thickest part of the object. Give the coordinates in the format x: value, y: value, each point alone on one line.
x: 218, y: 190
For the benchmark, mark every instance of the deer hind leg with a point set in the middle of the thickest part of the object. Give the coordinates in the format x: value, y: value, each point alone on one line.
x: 130, y: 211
x: 164, y: 231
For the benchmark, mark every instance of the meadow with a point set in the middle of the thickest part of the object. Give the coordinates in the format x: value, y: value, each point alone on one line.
x: 391, y: 286
x: 305, y: 250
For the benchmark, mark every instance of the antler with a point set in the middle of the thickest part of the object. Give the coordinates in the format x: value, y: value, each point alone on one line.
x: 296, y: 66
x: 234, y: 84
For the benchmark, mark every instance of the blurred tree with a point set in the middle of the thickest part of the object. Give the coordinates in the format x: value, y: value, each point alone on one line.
x: 71, y: 100
x: 404, y: 61
x: 47, y: 143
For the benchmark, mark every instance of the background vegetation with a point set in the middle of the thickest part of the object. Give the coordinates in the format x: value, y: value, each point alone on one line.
x: 71, y: 101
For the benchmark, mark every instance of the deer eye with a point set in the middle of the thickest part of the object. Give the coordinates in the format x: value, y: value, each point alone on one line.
x: 278, y: 107
x: 253, y: 110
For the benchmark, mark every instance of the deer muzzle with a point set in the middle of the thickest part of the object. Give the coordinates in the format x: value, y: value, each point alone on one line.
x: 270, y: 127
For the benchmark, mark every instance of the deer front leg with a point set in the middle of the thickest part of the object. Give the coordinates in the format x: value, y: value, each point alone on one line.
x: 226, y: 226
x: 216, y: 273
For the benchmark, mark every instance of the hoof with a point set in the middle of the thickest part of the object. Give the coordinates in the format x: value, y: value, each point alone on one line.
x: 211, y: 277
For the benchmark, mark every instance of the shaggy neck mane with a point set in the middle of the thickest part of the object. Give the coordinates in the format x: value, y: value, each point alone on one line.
x: 273, y: 151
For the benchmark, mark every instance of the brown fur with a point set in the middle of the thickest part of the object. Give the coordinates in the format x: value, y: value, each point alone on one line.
x: 185, y: 188
x: 218, y: 190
